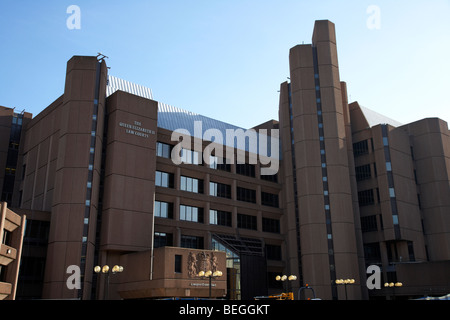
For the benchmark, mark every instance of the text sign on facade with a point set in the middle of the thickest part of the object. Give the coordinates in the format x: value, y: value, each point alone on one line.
x: 136, y: 129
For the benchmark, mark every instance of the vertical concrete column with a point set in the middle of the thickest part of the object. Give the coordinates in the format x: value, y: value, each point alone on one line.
x: 70, y: 204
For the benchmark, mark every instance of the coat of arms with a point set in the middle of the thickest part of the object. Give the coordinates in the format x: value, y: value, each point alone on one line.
x: 201, y: 261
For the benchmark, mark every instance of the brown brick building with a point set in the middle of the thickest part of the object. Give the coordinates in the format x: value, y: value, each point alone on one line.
x: 12, y: 228
x: 98, y: 183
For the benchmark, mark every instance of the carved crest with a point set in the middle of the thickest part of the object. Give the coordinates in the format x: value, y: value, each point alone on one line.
x: 201, y: 261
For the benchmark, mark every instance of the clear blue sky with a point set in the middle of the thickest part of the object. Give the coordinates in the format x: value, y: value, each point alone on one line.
x: 226, y: 58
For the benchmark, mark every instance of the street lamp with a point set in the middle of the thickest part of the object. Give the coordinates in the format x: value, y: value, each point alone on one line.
x: 210, y: 275
x: 105, y: 270
x: 283, y: 278
x: 345, y: 283
x: 393, y: 285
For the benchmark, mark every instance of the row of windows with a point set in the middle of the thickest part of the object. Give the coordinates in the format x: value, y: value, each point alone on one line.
x: 247, y: 195
x: 193, y: 214
x: 191, y: 184
x: 164, y: 179
x: 216, y: 217
x: 363, y: 172
x: 162, y: 239
x: 366, y: 197
x: 269, y: 199
x: 193, y: 157
x: 369, y: 223
x: 360, y: 148
x: 220, y: 190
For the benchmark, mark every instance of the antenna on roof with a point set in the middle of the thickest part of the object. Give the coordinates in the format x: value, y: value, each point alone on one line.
x: 101, y: 57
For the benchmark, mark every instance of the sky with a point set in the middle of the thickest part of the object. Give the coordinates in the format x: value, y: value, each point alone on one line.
x: 226, y: 59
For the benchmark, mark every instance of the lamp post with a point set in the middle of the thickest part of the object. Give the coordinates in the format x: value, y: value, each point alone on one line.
x: 283, y: 278
x: 105, y: 270
x: 393, y: 285
x: 210, y: 275
x: 345, y: 283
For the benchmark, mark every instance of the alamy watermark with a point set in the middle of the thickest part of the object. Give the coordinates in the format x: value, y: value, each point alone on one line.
x: 73, y: 281
x: 74, y: 20
x: 373, y: 22
x: 256, y: 143
x: 374, y: 280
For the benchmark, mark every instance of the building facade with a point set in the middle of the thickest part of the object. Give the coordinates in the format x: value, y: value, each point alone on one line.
x: 108, y: 176
x: 361, y: 189
x: 12, y: 228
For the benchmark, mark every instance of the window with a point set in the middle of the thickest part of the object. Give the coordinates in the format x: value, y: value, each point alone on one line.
x: 395, y: 219
x: 245, y: 221
x: 162, y: 239
x: 392, y: 192
x: 221, y: 218
x: 6, y: 237
x: 388, y: 166
x: 269, y: 199
x: 191, y: 184
x: 219, y: 164
x: 372, y: 252
x: 220, y: 190
x: 369, y: 224
x: 178, y: 260
x: 411, y: 251
x: 163, y: 210
x: 363, y: 172
x: 273, y: 252
x: 271, y: 177
x: 245, y: 169
x: 271, y: 225
x: 366, y: 198
x: 36, y: 232
x: 190, y: 157
x: 360, y: 148
x: 193, y: 214
x: 164, y: 179
x: 191, y: 242
x: 163, y: 150
x: 246, y: 195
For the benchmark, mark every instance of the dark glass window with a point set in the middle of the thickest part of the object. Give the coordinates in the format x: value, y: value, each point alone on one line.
x: 245, y: 169
x: 269, y: 199
x: 178, y: 263
x: 365, y: 198
x: 271, y: 177
x: 369, y: 224
x: 221, y: 218
x: 191, y: 242
x: 363, y: 172
x: 162, y: 239
x: 36, y: 232
x: 360, y: 148
x: 273, y: 252
x: 247, y: 195
x: 372, y: 252
x: 219, y: 164
x: 271, y: 225
x: 245, y: 221
x: 411, y: 254
x: 220, y: 190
